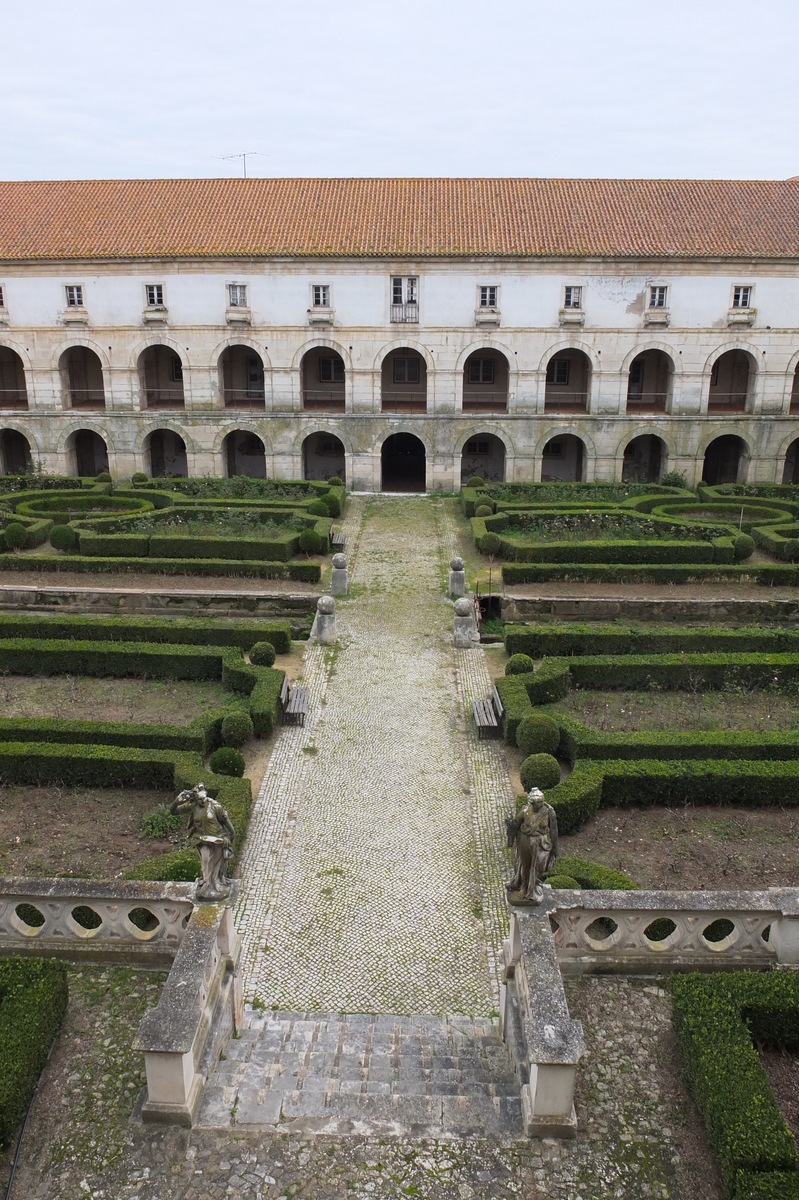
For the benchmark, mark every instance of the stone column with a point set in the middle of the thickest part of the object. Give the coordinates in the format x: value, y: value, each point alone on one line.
x: 466, y: 635
x: 457, y: 577
x: 324, y: 626
x: 338, y: 578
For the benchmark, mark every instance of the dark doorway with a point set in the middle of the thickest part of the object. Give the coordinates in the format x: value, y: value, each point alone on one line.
x: 643, y: 459
x: 88, y: 453
x: 245, y: 454
x: 166, y: 452
x: 15, y: 453
x: 725, y: 460
x: 403, y: 463
x: 323, y: 457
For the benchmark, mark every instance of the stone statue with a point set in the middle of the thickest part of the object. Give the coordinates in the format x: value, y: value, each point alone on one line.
x: 212, y: 833
x: 533, y: 834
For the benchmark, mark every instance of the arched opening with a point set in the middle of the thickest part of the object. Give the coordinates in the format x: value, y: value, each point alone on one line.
x: 161, y: 378
x: 323, y: 457
x: 323, y: 380
x: 87, y: 453
x: 13, y: 392
x: 403, y: 382
x: 403, y: 463
x: 649, y: 382
x: 731, y: 382
x: 485, y: 382
x: 644, y: 459
x: 563, y: 460
x: 483, y: 455
x: 82, y: 379
x: 795, y: 392
x: 165, y: 455
x: 245, y: 454
x: 242, y: 378
x: 15, y: 453
x: 726, y: 460
x: 790, y: 473
x: 568, y: 382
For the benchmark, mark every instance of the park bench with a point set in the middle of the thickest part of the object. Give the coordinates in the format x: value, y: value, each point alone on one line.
x: 488, y: 715
x: 293, y: 704
x: 337, y: 539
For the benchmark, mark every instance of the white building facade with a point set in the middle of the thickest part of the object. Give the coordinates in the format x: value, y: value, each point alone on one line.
x: 400, y: 356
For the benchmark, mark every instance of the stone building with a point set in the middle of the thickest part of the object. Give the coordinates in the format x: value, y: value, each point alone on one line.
x: 401, y: 332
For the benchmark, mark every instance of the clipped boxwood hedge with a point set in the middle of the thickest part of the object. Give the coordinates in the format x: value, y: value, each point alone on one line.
x: 772, y: 575
x: 592, y: 876
x: 542, y: 641
x: 33, y: 1000
x: 307, y: 572
x: 197, y: 631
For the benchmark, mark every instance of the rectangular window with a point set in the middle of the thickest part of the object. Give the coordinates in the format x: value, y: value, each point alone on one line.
x: 155, y: 295
x: 321, y: 295
x: 177, y: 369
x: 74, y: 295
x: 481, y: 370
x: 741, y: 296
x: 403, y: 289
x: 657, y: 296
x: 255, y: 376
x: 488, y: 296
x: 558, y: 371
x: 2, y: 298
x: 573, y: 297
x: 237, y: 294
x: 635, y: 384
x: 477, y: 447
x: 331, y: 370
x: 406, y: 370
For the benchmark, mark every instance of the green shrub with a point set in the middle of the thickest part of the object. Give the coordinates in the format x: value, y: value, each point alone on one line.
x: 177, y: 866
x: 516, y: 703
x: 15, y: 535
x: 674, y: 479
x: 490, y: 544
x: 577, y: 799
x: 103, y: 477
x: 334, y: 481
x: 237, y: 728
x: 537, y: 734
x: 262, y: 654
x: 159, y: 822
x: 310, y: 541
x: 592, y: 876
x: 561, y: 882
x: 519, y: 664
x: 227, y: 761
x: 189, y: 631
x: 743, y: 546
x: 33, y: 1000
x: 139, y: 477
x: 474, y: 481
x: 317, y: 508
x: 332, y: 505
x: 541, y: 771
x: 63, y: 537
x: 484, y: 510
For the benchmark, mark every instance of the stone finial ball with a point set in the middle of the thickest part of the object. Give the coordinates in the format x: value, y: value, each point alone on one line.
x: 463, y: 607
x: 326, y: 605
x: 456, y: 564
x: 340, y: 562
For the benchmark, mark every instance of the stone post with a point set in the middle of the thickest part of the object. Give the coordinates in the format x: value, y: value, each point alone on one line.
x: 338, y: 579
x: 466, y: 635
x: 324, y: 626
x: 457, y: 577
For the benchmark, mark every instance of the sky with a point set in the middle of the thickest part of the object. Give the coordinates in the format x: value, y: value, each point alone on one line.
x: 628, y: 88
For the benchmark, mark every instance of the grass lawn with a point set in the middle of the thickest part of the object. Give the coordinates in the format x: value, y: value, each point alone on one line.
x: 169, y: 702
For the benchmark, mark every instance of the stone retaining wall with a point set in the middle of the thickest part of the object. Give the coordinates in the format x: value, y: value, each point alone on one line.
x: 285, y: 606
x: 518, y: 609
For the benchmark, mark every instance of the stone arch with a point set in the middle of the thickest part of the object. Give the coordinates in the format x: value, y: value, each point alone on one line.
x: 9, y: 342
x: 173, y: 427
x: 87, y: 452
x: 404, y: 460
x: 644, y: 458
x: 423, y: 436
x: 16, y: 451
x: 403, y: 344
x: 158, y: 337
x: 244, y: 453
x: 790, y: 395
x: 560, y: 347
x: 83, y: 375
x: 321, y: 343
x: 166, y: 452
x: 790, y: 462
x: 557, y: 430
x: 724, y: 461
x: 476, y: 393
x: 161, y: 385
x: 20, y: 427
x: 484, y: 454
x: 239, y: 376
x: 324, y: 455
x: 240, y: 339
x: 710, y: 435
x: 637, y: 431
x: 729, y: 393
x: 88, y: 344
x: 663, y: 347
x: 246, y: 426
x: 93, y: 426
x: 13, y: 380
x: 569, y: 463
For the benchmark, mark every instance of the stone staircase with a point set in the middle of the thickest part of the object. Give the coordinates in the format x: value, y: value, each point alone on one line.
x: 324, y: 1073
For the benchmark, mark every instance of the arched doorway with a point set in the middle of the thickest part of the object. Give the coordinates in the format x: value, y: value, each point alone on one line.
x: 87, y: 453
x: 790, y: 473
x: 403, y: 382
x: 731, y: 382
x: 82, y: 379
x: 241, y: 372
x: 13, y: 392
x: 649, y: 382
x: 323, y: 380
x: 403, y: 464
x: 563, y: 460
x: 15, y: 453
x: 245, y: 454
x: 485, y: 382
x: 483, y: 455
x: 323, y: 457
x: 161, y: 378
x: 165, y: 455
x: 794, y: 408
x: 644, y: 459
x: 568, y: 382
x: 726, y: 460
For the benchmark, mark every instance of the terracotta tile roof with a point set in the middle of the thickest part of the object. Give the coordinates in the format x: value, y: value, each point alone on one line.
x: 399, y: 218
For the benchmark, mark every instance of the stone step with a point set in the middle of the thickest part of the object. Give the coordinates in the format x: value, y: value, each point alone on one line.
x: 382, y: 1075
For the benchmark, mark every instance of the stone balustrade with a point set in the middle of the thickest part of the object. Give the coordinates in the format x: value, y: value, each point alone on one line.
x: 135, y: 922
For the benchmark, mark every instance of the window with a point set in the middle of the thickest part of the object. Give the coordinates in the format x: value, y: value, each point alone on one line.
x: 714, y: 374
x: 635, y: 385
x: 657, y: 296
x: 403, y: 289
x: 558, y: 371
x: 406, y: 370
x: 481, y: 370
x: 477, y: 447
x: 237, y: 293
x: 255, y: 377
x: 741, y: 296
x: 321, y: 295
x: 154, y: 293
x: 331, y: 370
x: 573, y: 297
x: 2, y: 298
x: 74, y: 295
x: 553, y: 450
x: 488, y: 296
x: 177, y: 369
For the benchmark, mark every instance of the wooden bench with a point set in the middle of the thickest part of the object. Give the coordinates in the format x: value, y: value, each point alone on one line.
x: 293, y: 704
x: 337, y: 540
x: 488, y: 715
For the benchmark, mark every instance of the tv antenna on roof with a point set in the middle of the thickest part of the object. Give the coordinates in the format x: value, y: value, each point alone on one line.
x: 244, y: 156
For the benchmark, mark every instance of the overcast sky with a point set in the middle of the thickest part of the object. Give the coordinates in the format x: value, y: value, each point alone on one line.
x: 679, y: 88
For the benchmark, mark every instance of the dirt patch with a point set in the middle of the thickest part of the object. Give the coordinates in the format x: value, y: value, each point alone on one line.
x: 688, y: 848
x: 88, y: 833
x: 729, y: 708
x: 782, y: 1071
x: 169, y: 702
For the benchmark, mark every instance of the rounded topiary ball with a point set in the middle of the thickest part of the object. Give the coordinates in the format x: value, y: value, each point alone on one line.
x: 490, y: 543
x: 140, y: 477
x: 15, y: 535
x: 537, y: 734
x: 310, y: 541
x: 334, y: 481
x: 560, y: 882
x: 474, y: 482
x: 237, y: 728
x: 103, y: 477
x: 519, y: 664
x: 541, y: 771
x: 63, y: 537
x: 743, y: 546
x: 790, y: 549
x: 227, y: 761
x: 484, y: 510
x: 317, y: 508
x: 262, y: 654
x: 332, y: 505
